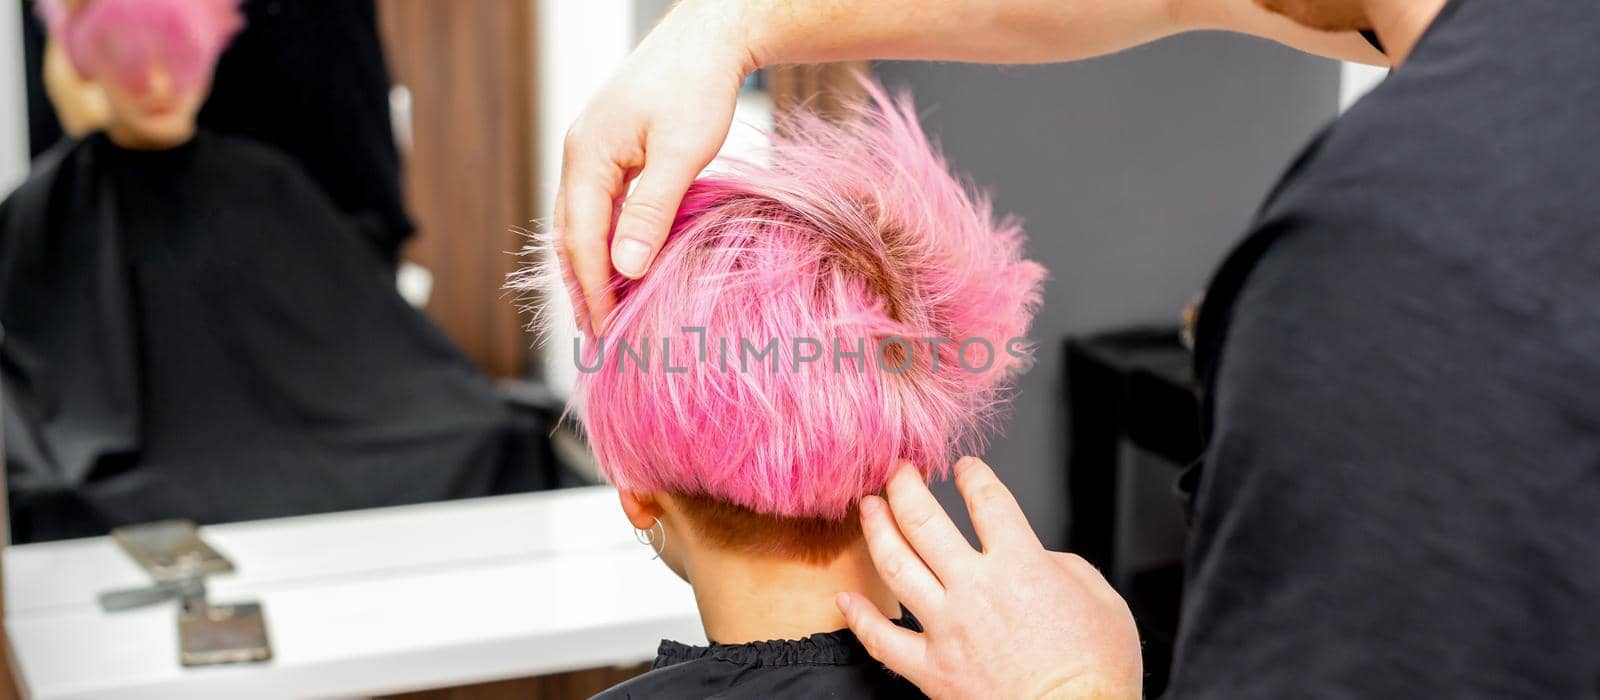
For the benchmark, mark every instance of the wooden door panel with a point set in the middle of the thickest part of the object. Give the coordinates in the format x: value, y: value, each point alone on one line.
x: 469, y: 172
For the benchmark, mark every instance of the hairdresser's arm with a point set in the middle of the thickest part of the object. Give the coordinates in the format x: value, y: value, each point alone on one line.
x: 664, y: 115
x: 1009, y: 31
x: 1010, y: 621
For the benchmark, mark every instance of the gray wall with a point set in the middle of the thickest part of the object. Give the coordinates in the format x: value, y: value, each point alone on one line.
x: 1134, y: 174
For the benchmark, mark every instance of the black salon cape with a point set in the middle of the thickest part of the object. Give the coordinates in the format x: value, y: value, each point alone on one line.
x: 826, y: 665
x: 1401, y: 496
x: 199, y: 333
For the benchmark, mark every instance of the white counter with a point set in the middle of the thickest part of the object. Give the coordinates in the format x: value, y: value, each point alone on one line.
x: 362, y: 602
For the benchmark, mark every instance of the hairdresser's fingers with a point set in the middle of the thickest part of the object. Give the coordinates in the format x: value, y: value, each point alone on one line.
x: 589, y: 185
x: 649, y: 210
x: 996, y: 517
x: 903, y: 651
x: 905, y: 573
x: 926, y: 526
x: 569, y: 279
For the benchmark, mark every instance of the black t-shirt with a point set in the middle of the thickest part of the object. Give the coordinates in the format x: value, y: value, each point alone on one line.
x: 1401, y: 494
x: 826, y: 665
x: 309, y: 77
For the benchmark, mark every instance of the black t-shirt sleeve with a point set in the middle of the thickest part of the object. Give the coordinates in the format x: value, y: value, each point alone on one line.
x: 1399, y: 495
x: 1393, y: 504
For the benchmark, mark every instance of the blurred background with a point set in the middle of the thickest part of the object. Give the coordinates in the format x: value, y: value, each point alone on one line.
x: 434, y: 130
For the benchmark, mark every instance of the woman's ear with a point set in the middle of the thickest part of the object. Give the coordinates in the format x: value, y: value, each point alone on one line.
x: 641, y: 508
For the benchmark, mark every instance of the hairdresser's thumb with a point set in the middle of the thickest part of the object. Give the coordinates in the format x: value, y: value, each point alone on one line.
x: 647, y: 215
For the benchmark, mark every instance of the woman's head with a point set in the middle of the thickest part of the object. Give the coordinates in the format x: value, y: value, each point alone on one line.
x: 809, y: 325
x: 152, y: 58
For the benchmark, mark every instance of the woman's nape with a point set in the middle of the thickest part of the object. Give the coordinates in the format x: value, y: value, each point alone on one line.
x: 747, y: 596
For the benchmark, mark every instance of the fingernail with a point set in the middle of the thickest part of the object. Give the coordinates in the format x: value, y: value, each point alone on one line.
x: 843, y: 601
x: 630, y: 256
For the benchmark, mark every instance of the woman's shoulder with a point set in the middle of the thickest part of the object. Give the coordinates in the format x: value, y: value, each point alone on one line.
x: 678, y: 681
x: 713, y: 678
x: 830, y: 664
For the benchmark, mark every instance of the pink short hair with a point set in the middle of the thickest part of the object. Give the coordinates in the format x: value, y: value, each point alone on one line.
x: 856, y: 230
x: 119, y: 40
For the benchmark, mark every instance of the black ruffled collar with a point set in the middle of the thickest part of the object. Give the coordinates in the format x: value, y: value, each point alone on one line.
x: 836, y: 648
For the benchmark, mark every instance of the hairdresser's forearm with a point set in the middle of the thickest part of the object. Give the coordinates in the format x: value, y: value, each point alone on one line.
x: 990, y: 31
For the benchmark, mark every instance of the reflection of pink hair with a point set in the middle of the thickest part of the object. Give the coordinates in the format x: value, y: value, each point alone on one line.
x: 118, y: 40
x: 856, y: 231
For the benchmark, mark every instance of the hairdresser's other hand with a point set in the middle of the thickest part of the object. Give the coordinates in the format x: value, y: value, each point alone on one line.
x: 1012, y: 621
x: 659, y: 121
x: 81, y: 105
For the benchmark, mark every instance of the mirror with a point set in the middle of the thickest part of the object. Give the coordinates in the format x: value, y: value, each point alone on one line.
x: 264, y: 276
x: 211, y: 272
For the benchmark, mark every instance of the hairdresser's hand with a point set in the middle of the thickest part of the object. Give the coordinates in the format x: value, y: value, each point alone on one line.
x: 81, y: 104
x: 1012, y: 621
x: 659, y: 121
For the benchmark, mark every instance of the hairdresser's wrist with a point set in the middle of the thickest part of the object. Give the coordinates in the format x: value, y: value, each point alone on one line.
x: 767, y: 32
x: 1110, y: 686
x: 730, y: 32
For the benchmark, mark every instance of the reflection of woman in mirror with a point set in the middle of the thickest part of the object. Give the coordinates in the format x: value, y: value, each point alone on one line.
x: 194, y: 330
x: 744, y: 470
x: 154, y: 81
x: 306, y: 77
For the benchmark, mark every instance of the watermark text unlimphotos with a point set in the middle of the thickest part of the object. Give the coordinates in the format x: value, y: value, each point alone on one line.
x: 893, y: 354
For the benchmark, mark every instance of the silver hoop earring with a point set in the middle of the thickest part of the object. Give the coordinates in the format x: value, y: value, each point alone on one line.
x: 655, y: 538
